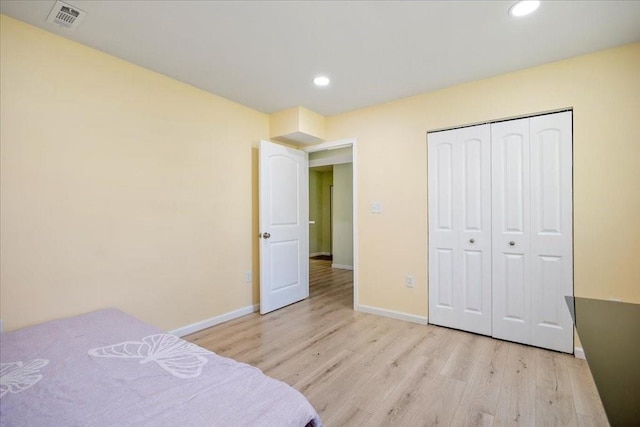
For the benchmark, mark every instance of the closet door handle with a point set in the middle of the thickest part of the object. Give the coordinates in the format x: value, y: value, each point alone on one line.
x: 512, y: 243
x: 472, y: 241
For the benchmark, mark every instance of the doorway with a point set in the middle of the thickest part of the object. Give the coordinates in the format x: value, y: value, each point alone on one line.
x: 332, y: 207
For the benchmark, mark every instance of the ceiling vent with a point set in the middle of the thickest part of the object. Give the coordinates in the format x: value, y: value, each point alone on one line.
x: 66, y: 16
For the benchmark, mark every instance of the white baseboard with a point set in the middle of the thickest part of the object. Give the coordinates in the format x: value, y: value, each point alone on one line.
x: 342, y: 266
x: 579, y: 353
x: 311, y: 255
x: 393, y: 314
x: 207, y: 323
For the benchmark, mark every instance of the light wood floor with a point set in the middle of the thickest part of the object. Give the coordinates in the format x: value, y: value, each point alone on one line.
x: 364, y: 370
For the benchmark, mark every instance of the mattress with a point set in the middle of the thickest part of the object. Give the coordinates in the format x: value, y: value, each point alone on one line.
x: 108, y: 368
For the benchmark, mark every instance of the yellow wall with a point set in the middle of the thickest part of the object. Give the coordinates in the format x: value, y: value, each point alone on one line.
x: 312, y: 123
x: 284, y: 122
x: 297, y: 125
x: 120, y: 187
x: 604, y: 91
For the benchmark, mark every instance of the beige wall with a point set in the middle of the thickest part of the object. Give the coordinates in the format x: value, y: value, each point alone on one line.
x: 343, y: 215
x: 604, y: 91
x: 297, y: 126
x: 120, y: 187
x: 311, y: 123
x: 111, y: 177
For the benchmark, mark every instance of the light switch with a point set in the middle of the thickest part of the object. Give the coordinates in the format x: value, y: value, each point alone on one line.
x: 376, y: 208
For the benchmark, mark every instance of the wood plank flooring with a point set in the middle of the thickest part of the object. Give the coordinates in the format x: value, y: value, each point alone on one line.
x: 364, y: 370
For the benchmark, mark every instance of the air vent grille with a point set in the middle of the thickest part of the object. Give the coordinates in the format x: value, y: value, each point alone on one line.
x: 65, y: 15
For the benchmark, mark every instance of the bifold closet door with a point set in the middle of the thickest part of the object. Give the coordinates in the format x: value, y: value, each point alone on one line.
x: 532, y: 230
x: 459, y: 163
x: 511, y: 230
x: 551, y: 230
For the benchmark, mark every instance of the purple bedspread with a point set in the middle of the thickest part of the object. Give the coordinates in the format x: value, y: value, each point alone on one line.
x: 107, y: 368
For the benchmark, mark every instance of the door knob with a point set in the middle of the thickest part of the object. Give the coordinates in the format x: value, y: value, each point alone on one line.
x: 472, y: 241
x: 512, y: 243
x: 266, y: 235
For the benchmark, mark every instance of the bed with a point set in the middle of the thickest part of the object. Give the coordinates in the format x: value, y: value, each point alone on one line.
x: 108, y: 368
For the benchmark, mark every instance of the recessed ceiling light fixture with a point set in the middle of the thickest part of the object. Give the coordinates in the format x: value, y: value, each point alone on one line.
x: 321, y: 81
x: 523, y: 7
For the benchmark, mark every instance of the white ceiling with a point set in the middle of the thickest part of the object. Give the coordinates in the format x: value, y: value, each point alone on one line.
x: 265, y: 54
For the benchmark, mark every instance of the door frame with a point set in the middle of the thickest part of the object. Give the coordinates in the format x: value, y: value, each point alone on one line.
x: 333, y: 145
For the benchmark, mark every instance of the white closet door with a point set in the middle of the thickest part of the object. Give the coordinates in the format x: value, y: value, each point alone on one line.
x: 474, y: 238
x: 459, y: 164
x: 443, y: 221
x: 551, y: 231
x: 511, y: 230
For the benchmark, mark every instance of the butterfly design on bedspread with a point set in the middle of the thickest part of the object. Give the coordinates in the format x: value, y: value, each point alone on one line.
x: 19, y: 376
x: 176, y: 356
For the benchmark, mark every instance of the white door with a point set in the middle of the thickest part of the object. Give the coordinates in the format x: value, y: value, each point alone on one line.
x: 284, y: 231
x: 460, y: 228
x: 511, y: 230
x: 551, y: 231
x: 532, y: 230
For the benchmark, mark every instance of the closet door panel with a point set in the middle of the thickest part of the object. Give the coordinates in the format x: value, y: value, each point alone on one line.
x: 472, y: 184
x: 548, y: 299
x: 511, y: 255
x: 552, y: 230
x: 475, y: 229
x: 444, y: 187
x: 512, y: 165
x: 443, y: 228
x: 472, y: 282
x: 515, y: 298
x: 444, y: 268
x: 459, y: 164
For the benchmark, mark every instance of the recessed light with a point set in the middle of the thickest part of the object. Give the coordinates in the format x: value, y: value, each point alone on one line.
x: 523, y: 7
x: 321, y: 81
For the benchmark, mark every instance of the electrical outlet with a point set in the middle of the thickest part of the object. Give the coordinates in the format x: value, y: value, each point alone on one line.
x: 409, y: 281
x: 248, y: 276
